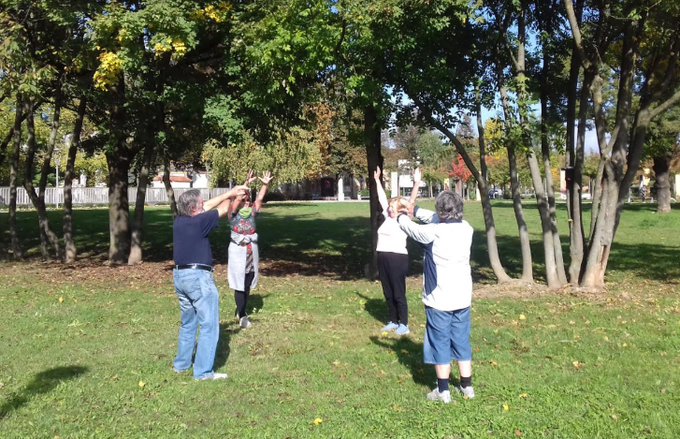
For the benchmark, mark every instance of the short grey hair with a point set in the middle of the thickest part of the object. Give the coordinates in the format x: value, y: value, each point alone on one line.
x: 188, y: 202
x: 449, y: 206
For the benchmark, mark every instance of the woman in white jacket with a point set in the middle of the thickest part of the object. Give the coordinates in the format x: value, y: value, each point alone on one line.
x: 393, y: 256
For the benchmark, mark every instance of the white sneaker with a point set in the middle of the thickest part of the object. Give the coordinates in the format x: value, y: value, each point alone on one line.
x: 467, y: 392
x: 215, y: 376
x: 436, y: 395
x: 244, y: 322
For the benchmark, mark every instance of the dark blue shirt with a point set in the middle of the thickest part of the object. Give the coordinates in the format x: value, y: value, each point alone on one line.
x: 190, y: 238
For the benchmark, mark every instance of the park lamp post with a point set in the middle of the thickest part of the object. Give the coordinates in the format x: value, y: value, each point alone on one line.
x: 56, y: 185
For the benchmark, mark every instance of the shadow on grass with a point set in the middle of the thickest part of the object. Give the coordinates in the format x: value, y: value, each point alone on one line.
x: 377, y: 308
x: 43, y: 382
x: 231, y: 327
x: 410, y: 355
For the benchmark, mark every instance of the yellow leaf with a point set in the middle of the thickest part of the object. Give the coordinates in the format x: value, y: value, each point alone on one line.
x: 577, y: 364
x: 614, y: 417
x: 523, y: 395
x: 404, y: 351
x: 506, y: 407
x: 61, y: 299
x: 142, y: 384
x: 493, y: 363
x: 318, y: 421
x: 384, y: 333
x: 606, y: 338
x: 522, y: 317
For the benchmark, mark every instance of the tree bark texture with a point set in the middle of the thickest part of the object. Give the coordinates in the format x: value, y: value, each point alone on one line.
x: 119, y: 208
x: 69, y: 244
x: 138, y: 218
x: 662, y: 164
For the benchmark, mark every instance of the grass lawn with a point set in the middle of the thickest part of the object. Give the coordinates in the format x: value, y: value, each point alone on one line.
x: 86, y: 350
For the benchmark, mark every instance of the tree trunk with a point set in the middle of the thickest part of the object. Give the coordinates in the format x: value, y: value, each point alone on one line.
x: 489, y: 223
x: 14, y: 166
x: 46, y: 166
x: 662, y: 164
x: 138, y: 219
x: 119, y: 208
x: 543, y: 208
x: 47, y: 236
x: 524, y: 241
x: 168, y: 187
x: 375, y: 160
x: 69, y: 244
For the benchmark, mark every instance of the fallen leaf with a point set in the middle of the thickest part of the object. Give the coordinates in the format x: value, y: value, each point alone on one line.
x: 61, y: 299
x: 506, y: 407
x: 522, y: 317
x: 518, y: 433
x: 614, y: 417
x: 523, y: 395
x: 404, y: 351
x: 493, y: 363
x: 577, y: 364
x: 142, y: 384
x: 384, y: 333
x: 318, y: 421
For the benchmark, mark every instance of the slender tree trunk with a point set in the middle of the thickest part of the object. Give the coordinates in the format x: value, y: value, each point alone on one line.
x: 14, y: 166
x: 138, y: 219
x: 69, y: 244
x: 168, y: 187
x: 47, y: 236
x: 54, y: 131
x: 555, y: 280
x: 375, y: 160
x: 662, y: 164
x: 524, y: 241
x: 546, y: 226
x: 489, y: 223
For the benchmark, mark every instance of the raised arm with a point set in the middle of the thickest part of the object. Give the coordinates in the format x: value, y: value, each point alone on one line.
x: 382, y: 198
x: 265, y: 179
x: 424, y: 234
x: 218, y: 200
x: 416, y: 186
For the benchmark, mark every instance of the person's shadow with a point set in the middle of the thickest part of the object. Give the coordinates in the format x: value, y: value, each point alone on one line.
x: 43, y: 382
x: 231, y: 327
x: 375, y: 307
x: 410, y: 354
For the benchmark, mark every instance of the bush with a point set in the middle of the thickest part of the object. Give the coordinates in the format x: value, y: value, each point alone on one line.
x: 274, y: 196
x: 364, y: 193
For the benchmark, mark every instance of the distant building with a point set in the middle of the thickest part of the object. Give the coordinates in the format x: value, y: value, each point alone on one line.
x: 178, y: 180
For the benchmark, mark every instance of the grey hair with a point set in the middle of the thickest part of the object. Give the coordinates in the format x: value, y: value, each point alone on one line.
x: 449, y: 206
x: 188, y: 202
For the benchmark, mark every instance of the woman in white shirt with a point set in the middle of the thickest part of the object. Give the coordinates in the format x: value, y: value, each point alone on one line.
x: 393, y: 256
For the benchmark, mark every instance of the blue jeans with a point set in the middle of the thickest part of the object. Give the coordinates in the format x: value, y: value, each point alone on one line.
x: 199, y: 305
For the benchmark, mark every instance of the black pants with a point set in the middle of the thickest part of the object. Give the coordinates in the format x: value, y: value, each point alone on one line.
x: 393, y: 268
x: 241, y: 297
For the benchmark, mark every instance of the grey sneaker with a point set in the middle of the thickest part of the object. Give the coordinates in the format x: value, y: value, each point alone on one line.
x: 436, y: 395
x: 467, y: 392
x: 215, y: 376
x: 244, y: 322
x: 402, y: 329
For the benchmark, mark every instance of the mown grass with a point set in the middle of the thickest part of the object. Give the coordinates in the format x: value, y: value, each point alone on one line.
x: 86, y: 351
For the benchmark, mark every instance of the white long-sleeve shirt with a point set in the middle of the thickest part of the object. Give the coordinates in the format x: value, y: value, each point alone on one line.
x: 447, y: 278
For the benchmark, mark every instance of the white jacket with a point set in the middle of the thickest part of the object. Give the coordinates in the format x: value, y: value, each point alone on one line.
x: 447, y: 279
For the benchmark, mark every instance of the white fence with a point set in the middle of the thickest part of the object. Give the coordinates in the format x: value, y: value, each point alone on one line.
x: 100, y: 195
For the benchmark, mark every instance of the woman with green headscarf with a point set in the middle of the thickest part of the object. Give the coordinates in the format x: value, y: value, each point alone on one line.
x: 243, y: 251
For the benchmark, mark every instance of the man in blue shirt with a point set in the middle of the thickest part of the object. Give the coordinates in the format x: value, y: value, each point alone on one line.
x: 193, y: 279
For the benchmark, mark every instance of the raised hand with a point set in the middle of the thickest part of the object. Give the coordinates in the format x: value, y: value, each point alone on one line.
x: 250, y: 178
x: 266, y: 177
x: 376, y: 174
x: 416, y: 175
x: 238, y: 191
